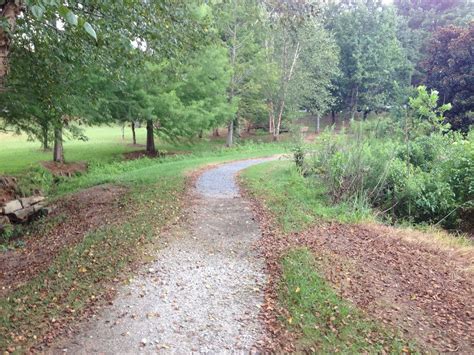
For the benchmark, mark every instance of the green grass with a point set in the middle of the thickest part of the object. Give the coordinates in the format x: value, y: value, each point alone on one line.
x: 104, y: 144
x: 325, y: 322
x: 77, y: 277
x: 296, y: 202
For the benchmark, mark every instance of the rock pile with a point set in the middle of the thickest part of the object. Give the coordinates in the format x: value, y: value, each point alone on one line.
x: 21, y: 210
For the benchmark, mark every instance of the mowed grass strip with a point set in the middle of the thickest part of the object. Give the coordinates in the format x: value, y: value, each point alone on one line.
x: 298, y: 202
x: 324, y: 321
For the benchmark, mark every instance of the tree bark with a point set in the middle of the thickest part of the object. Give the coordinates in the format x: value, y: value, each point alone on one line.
x: 150, y: 138
x: 58, y: 150
x: 134, y: 135
x: 230, y: 134
x: 216, y: 132
x: 333, y: 116
x: 233, y: 81
x: 271, y: 117
x: 318, y: 119
x: 9, y: 12
x: 200, y: 134
x: 44, y: 137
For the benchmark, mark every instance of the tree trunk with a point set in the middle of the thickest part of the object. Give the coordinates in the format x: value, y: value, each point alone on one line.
x: 318, y: 123
x: 333, y: 116
x: 216, y: 132
x: 9, y: 12
x: 58, y: 151
x: 366, y: 113
x: 134, y: 135
x: 354, y: 102
x: 230, y: 134
x: 44, y: 137
x: 150, y: 138
x: 271, y: 117
x: 276, y: 132
x: 200, y: 134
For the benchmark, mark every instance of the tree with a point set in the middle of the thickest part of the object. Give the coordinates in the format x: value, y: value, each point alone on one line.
x: 50, y: 9
x: 422, y: 18
x: 59, y: 92
x: 318, y: 67
x: 128, y: 34
x: 449, y: 68
x: 238, y: 24
x: 373, y: 63
x: 178, y: 101
x: 283, y: 48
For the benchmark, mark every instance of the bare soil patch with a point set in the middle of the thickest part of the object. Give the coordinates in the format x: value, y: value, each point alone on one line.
x: 65, y: 169
x: 394, y: 276
x: 72, y: 218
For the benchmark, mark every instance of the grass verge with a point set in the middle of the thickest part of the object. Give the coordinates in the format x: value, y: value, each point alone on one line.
x: 327, y: 323
x: 298, y: 202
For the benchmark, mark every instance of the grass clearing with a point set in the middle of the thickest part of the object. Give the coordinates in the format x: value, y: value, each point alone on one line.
x: 77, y: 278
x: 327, y: 323
x: 104, y: 145
x: 298, y: 202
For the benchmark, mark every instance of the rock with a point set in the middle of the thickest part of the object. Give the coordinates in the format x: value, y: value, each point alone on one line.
x: 45, y: 211
x: 32, y: 200
x: 38, y: 207
x: 11, y: 207
x: 22, y: 215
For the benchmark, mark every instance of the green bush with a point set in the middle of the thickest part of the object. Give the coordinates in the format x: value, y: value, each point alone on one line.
x: 427, y: 178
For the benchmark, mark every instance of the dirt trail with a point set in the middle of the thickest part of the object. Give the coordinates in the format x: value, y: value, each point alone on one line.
x: 204, y: 291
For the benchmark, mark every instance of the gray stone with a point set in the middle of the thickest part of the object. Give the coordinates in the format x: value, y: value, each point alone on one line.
x: 38, y: 207
x: 44, y: 211
x: 11, y: 207
x: 32, y: 200
x: 22, y: 215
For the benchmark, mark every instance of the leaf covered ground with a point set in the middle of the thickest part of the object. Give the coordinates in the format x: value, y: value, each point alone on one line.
x: 409, y: 282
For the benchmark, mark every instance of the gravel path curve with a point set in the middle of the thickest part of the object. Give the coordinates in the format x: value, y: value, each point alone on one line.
x: 203, y: 292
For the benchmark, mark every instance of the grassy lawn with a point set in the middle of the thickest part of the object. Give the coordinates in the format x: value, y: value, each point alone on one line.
x: 104, y: 144
x: 77, y: 278
x: 298, y: 202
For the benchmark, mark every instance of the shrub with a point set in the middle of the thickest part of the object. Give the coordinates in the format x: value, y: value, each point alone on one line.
x: 429, y: 178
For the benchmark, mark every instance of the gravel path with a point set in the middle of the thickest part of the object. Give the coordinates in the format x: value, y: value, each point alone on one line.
x: 203, y: 292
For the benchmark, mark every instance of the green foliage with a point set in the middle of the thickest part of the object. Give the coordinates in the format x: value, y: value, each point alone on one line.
x: 373, y: 62
x: 425, y: 106
x: 324, y: 321
x: 427, y: 179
